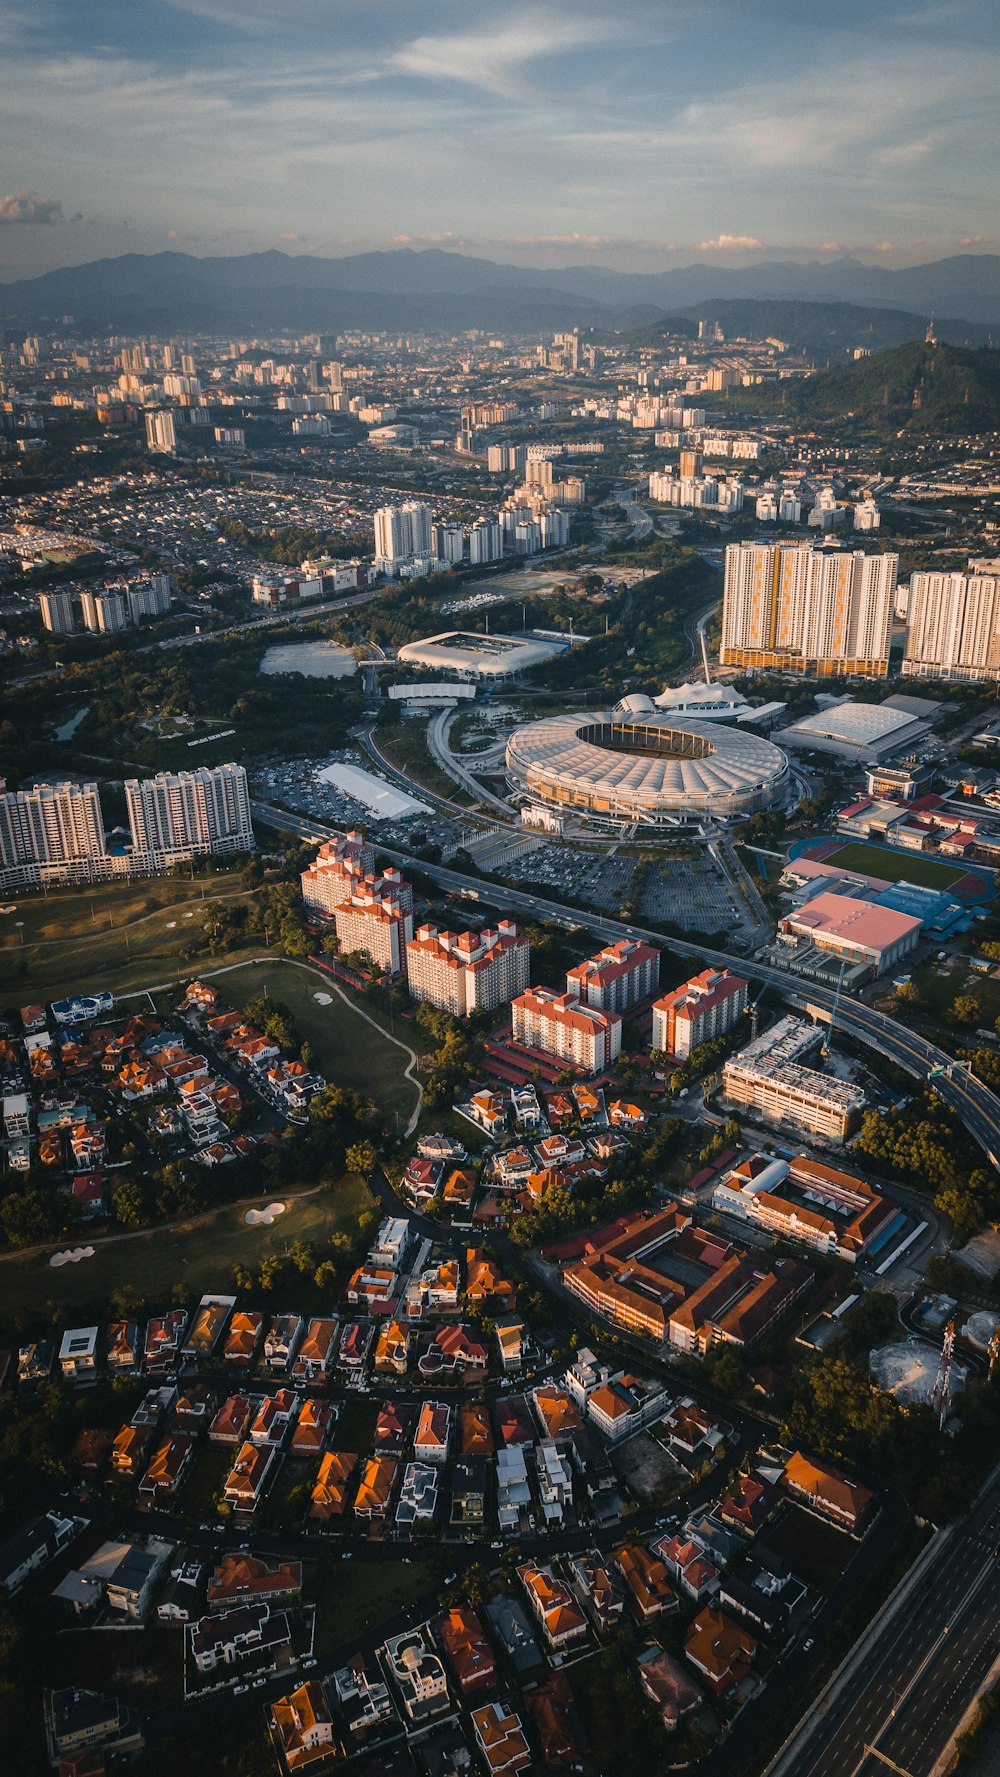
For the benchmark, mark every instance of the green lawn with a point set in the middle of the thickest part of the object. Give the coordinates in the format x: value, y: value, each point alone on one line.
x: 367, y: 1593
x: 200, y: 1254
x: 120, y: 935
x: 347, y: 1050
x: 896, y: 866
x: 405, y: 746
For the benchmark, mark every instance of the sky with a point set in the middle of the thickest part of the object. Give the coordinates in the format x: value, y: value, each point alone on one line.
x: 637, y: 134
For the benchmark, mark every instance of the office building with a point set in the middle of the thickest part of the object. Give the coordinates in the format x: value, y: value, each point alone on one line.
x: 378, y: 929
x: 953, y: 627
x: 559, y: 1025
x: 468, y: 971
x: 769, y: 1078
x: 160, y: 432
x: 188, y: 814
x: 792, y: 608
x: 53, y: 833
x: 619, y: 976
x: 57, y: 612
x: 705, y: 1007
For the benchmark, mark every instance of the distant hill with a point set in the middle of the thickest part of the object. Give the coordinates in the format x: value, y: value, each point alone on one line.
x: 826, y: 330
x: 437, y: 291
x: 913, y: 388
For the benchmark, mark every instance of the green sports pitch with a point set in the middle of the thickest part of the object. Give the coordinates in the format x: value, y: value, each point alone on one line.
x: 893, y: 866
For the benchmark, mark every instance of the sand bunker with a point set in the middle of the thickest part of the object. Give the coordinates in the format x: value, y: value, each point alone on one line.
x: 72, y: 1255
x: 323, y: 999
x: 262, y: 1218
x: 907, y: 1372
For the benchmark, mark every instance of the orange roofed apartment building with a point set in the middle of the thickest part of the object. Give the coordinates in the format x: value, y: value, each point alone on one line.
x: 618, y: 977
x: 332, y: 875
x: 380, y: 928
x: 470, y: 971
x: 705, y: 1007
x: 562, y: 1026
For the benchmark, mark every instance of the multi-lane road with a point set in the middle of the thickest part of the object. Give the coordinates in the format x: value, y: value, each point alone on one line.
x: 902, y: 1698
x: 976, y: 1106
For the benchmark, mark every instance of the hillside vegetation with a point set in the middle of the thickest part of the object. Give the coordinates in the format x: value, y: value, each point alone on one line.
x: 947, y: 390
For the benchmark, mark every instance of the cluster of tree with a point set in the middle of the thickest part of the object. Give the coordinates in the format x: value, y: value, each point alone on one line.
x: 630, y: 1183
x: 273, y: 915
x: 923, y: 1144
x: 452, y: 1063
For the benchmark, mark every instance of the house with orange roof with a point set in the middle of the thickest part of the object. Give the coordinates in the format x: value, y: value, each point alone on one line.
x: 246, y: 1329
x: 435, y: 1291
x: 485, y: 1284
x: 720, y: 1649
x: 646, y: 1578
x: 128, y: 1452
x: 624, y: 1115
x: 827, y: 1491
x: 552, y: 1709
x: 199, y: 996
x: 459, y: 1189
x: 329, y: 1494
x: 167, y: 1469
x: 371, y: 1285
x: 467, y: 1650
x: 244, y: 1579
x: 376, y: 1486
x: 248, y: 1477
x: 123, y: 1346
x: 232, y: 1420
x: 475, y: 1430
x: 453, y: 1351
x: 433, y: 1434
x: 392, y: 1348
x: 302, y: 1727
x: 746, y: 1505
x: 500, y: 1738
x: 314, y: 1358
x: 687, y: 1563
x: 562, y: 1621
x: 489, y: 1110
x: 312, y: 1428
x: 557, y: 1413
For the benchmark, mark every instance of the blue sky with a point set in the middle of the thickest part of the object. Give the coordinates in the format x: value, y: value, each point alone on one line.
x: 640, y: 134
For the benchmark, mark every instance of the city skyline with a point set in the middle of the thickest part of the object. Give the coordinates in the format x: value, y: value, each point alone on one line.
x: 648, y: 140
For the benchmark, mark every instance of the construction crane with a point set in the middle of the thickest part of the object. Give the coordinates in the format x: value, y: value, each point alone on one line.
x: 835, y: 1008
x: 941, y: 1395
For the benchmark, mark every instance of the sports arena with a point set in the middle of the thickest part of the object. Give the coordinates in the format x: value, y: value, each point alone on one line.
x: 617, y: 769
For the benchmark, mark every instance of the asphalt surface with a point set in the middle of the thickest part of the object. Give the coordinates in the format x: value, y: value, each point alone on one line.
x: 976, y: 1106
x: 922, y: 1672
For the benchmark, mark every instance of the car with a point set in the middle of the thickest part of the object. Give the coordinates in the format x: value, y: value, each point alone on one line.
x: 348, y: 1555
x: 239, y: 1689
x: 259, y: 1682
x: 807, y: 1646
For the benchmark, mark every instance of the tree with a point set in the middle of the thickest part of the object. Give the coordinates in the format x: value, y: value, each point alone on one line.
x: 908, y: 994
x: 127, y: 1204
x: 965, y: 1009
x: 362, y: 1158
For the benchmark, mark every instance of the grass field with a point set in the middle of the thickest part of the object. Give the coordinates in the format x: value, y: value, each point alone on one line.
x: 199, y: 1254
x: 405, y: 746
x: 345, y: 1049
x: 116, y: 935
x: 895, y: 866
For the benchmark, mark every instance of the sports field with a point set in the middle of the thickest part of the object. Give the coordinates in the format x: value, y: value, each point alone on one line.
x: 895, y: 866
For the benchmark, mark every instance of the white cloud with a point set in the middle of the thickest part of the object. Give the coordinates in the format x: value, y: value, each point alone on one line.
x: 496, y: 60
x: 27, y: 206
x: 729, y: 243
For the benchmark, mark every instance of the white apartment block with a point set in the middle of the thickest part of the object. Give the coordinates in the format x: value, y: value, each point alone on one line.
x: 793, y: 608
x: 561, y: 1026
x: 469, y: 971
x: 705, y: 1007
x: 619, y: 976
x: 485, y: 541
x: 768, y: 1078
x: 105, y: 612
x: 403, y: 531
x: 380, y: 929
x: 332, y: 876
x: 57, y: 612
x: 53, y: 833
x: 953, y: 627
x: 187, y: 814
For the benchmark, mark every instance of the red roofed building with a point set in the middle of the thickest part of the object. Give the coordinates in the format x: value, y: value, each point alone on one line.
x: 469, y: 971
x: 562, y: 1026
x: 467, y: 1650
x: 702, y: 1008
x: 617, y: 977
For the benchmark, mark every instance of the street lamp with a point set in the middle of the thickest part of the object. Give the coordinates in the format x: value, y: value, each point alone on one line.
x: 20, y: 926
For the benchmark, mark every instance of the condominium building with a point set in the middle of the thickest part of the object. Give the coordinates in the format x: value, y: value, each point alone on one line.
x: 57, y: 612
x: 562, y: 1026
x: 53, y: 833
x: 468, y: 971
x: 619, y: 976
x: 380, y: 929
x: 953, y: 627
x: 485, y: 541
x: 106, y: 612
x: 160, y: 432
x: 793, y: 608
x: 332, y: 876
x: 148, y: 598
x: 705, y: 1007
x: 768, y: 1078
x: 187, y: 814
x: 403, y: 531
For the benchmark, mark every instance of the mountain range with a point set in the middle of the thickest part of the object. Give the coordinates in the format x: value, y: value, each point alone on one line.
x: 437, y: 291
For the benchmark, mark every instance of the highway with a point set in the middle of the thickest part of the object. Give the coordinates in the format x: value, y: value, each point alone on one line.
x: 907, y: 1691
x: 975, y: 1105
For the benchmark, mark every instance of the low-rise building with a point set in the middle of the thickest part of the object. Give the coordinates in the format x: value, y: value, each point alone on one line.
x: 827, y: 1491
x: 562, y: 1622
x: 248, y: 1477
x: 302, y: 1725
x: 720, y: 1649
x: 418, y: 1675
x: 769, y: 1078
x: 467, y: 1651
x: 330, y: 1489
x: 500, y: 1738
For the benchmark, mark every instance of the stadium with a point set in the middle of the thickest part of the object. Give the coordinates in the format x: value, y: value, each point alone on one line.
x: 619, y: 770
x: 494, y: 657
